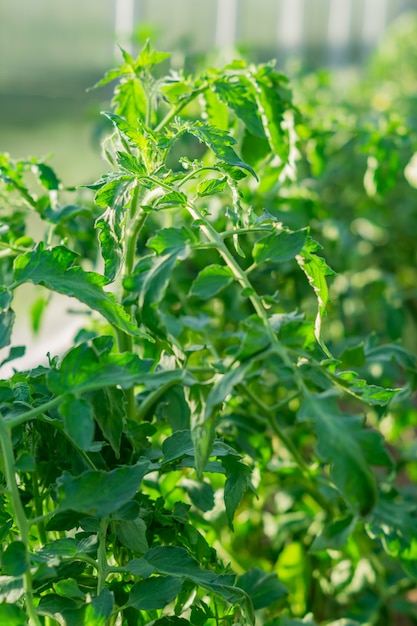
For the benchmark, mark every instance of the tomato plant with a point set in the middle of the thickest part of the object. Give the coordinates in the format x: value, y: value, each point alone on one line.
x: 198, y: 456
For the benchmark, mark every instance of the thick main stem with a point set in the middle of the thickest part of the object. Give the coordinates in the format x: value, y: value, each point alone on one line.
x: 19, y: 514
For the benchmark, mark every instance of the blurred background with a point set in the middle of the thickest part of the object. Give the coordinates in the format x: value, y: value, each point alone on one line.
x: 52, y: 51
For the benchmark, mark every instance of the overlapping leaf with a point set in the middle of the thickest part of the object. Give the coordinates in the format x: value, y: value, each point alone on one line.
x: 56, y: 269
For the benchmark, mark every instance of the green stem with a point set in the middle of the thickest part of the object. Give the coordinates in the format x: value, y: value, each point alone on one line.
x: 32, y: 413
x: 19, y: 514
x: 102, y: 567
x: 38, y: 509
x: 174, y: 112
x: 153, y: 397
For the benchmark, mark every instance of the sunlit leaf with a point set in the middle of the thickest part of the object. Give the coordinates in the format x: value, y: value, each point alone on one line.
x: 55, y: 268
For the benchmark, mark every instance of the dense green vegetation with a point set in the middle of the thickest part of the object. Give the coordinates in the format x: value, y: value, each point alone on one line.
x: 222, y: 444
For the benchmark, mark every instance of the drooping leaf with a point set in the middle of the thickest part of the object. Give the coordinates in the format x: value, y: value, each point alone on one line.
x: 238, y: 94
x: 55, y: 268
x: 109, y: 412
x: 99, y: 493
x: 340, y: 442
x: 267, y: 86
x: 316, y: 270
x: 238, y: 481
x: 210, y: 281
x: 110, y: 244
x: 154, y: 593
x: 78, y: 421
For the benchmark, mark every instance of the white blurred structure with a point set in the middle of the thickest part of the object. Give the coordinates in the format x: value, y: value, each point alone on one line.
x: 52, y: 43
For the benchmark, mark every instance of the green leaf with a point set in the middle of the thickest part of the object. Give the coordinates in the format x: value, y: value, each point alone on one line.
x: 99, y: 493
x: 130, y: 100
x: 154, y: 286
x: 210, y: 281
x: 280, y: 246
x: 334, y: 535
x: 87, y: 368
x: 201, y: 493
x: 7, y: 319
x: 341, y: 440
x: 110, y: 412
x: 211, y: 187
x: 99, y: 610
x: 237, y: 483
x: 169, y: 240
x: 154, y: 593
x: 110, y: 244
x: 69, y: 589
x: 268, y: 87
x: 135, y: 132
x: 263, y: 589
x: 224, y: 387
x: 14, y: 560
x: 175, y: 561
x: 316, y: 270
x: 132, y: 535
x: 148, y: 57
x: 171, y: 621
x: 171, y: 199
x: 217, y: 112
x: 58, y: 607
x: 219, y: 141
x: 393, y: 521
x: 78, y: 421
x: 12, y: 615
x: 47, y: 176
x: 115, y: 192
x: 238, y: 94
x: 55, y: 268
x: 180, y: 444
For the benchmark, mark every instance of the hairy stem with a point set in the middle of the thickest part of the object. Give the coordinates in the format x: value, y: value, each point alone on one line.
x: 19, y: 514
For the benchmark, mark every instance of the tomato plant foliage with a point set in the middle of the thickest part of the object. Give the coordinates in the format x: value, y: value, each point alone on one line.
x: 198, y: 456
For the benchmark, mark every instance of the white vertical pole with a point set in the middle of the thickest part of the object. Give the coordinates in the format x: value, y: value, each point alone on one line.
x: 374, y: 21
x: 339, y: 29
x: 124, y: 23
x: 226, y: 23
x: 290, y: 25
